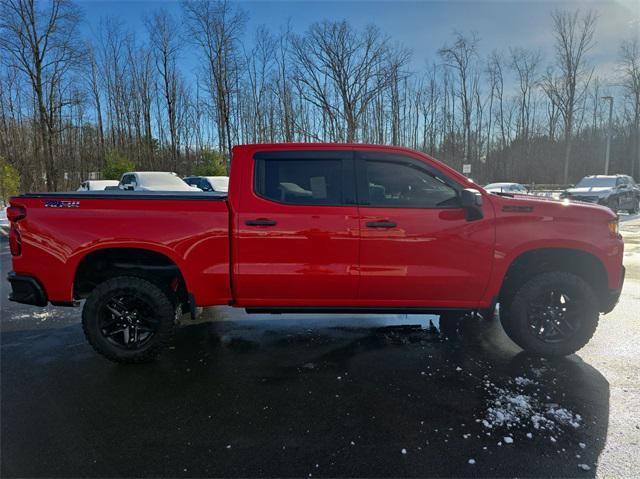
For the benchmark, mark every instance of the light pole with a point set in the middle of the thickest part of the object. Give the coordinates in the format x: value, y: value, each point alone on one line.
x: 608, y: 150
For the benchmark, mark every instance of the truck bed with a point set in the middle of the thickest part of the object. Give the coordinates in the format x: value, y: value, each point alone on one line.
x: 63, y: 229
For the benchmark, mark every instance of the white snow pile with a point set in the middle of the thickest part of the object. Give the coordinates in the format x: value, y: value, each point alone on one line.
x: 520, y: 381
x: 40, y: 315
x: 514, y: 408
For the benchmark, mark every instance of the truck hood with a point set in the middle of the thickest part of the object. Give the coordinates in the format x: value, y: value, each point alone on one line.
x: 591, y: 191
x: 538, y: 205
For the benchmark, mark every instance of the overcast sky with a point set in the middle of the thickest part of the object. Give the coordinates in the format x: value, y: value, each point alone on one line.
x: 422, y: 26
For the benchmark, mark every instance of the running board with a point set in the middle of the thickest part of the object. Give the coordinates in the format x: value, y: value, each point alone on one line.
x: 324, y: 310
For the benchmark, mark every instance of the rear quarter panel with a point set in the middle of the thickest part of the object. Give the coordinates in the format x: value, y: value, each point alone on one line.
x: 193, y: 233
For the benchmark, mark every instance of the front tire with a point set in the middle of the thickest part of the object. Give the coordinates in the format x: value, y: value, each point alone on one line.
x: 552, y: 314
x: 128, y: 319
x: 636, y: 206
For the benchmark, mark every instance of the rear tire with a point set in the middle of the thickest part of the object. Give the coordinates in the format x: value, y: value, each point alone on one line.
x: 128, y: 319
x: 552, y: 314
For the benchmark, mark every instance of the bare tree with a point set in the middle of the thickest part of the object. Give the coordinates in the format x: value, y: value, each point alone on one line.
x: 525, y: 65
x: 42, y: 42
x: 630, y: 66
x: 215, y: 27
x: 94, y: 86
x: 165, y: 41
x: 335, y: 62
x: 573, y: 34
x: 460, y: 57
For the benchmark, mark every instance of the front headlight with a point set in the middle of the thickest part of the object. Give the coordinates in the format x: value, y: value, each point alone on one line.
x: 614, y: 227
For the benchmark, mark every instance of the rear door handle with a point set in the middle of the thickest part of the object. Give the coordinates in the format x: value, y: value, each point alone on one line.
x: 381, y: 224
x: 260, y: 222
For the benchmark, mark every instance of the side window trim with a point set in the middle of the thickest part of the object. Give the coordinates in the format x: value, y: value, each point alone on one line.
x: 349, y: 195
x: 363, y: 187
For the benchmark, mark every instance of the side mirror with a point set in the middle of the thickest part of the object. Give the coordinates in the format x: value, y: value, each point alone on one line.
x: 129, y: 187
x: 471, y: 201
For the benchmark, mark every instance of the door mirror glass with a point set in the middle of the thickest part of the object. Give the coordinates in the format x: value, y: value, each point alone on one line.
x: 470, y: 198
x: 471, y: 201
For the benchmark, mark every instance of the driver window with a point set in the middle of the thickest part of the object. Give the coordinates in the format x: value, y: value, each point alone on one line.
x: 395, y: 184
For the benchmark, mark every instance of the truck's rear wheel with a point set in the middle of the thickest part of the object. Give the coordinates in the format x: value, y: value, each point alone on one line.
x: 128, y: 319
x: 552, y: 314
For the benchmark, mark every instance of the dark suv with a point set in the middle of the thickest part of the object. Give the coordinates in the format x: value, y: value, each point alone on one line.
x: 618, y: 192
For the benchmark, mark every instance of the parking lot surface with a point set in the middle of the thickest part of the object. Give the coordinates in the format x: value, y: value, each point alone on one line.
x: 239, y: 395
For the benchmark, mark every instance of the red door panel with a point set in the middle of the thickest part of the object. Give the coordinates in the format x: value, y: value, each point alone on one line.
x: 431, y: 258
x: 418, y: 247
x: 288, y: 252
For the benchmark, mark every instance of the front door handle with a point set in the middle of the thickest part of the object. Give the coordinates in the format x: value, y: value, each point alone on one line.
x: 381, y: 224
x: 260, y: 222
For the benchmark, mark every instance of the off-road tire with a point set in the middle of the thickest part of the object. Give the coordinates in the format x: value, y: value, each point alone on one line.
x: 163, y: 307
x: 515, y: 320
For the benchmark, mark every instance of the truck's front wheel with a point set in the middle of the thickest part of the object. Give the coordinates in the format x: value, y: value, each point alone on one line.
x: 128, y: 319
x: 552, y: 314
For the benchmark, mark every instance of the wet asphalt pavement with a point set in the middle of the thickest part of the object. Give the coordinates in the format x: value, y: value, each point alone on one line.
x: 323, y: 397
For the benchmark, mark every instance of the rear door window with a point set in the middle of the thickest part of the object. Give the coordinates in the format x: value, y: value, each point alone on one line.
x: 304, y: 179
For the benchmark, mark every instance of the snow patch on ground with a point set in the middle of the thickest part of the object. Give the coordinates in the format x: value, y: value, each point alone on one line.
x: 520, y: 381
x: 40, y: 315
x: 513, y: 407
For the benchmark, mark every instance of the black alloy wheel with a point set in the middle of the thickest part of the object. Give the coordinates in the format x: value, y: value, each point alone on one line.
x: 552, y: 314
x: 553, y: 317
x: 129, y: 319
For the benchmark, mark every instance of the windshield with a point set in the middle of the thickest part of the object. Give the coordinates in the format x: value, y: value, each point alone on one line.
x: 497, y: 186
x: 596, y: 182
x: 219, y: 183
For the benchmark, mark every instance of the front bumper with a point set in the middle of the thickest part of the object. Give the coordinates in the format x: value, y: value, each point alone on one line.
x: 613, y: 295
x: 26, y: 290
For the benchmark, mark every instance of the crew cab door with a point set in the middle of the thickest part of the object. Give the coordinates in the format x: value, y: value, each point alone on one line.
x: 297, y: 239
x: 418, y: 248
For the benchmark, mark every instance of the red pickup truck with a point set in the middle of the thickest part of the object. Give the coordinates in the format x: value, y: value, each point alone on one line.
x: 318, y: 228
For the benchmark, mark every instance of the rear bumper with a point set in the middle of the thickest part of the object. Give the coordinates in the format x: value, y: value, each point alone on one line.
x: 26, y: 290
x: 613, y: 295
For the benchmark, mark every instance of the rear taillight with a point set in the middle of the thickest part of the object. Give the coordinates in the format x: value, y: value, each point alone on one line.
x: 15, y: 240
x: 16, y: 213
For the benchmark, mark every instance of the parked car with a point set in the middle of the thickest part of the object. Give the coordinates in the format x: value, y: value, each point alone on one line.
x: 209, y: 183
x: 4, y: 221
x: 153, y: 181
x: 618, y: 192
x: 515, y: 188
x: 97, y: 185
x: 310, y: 228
